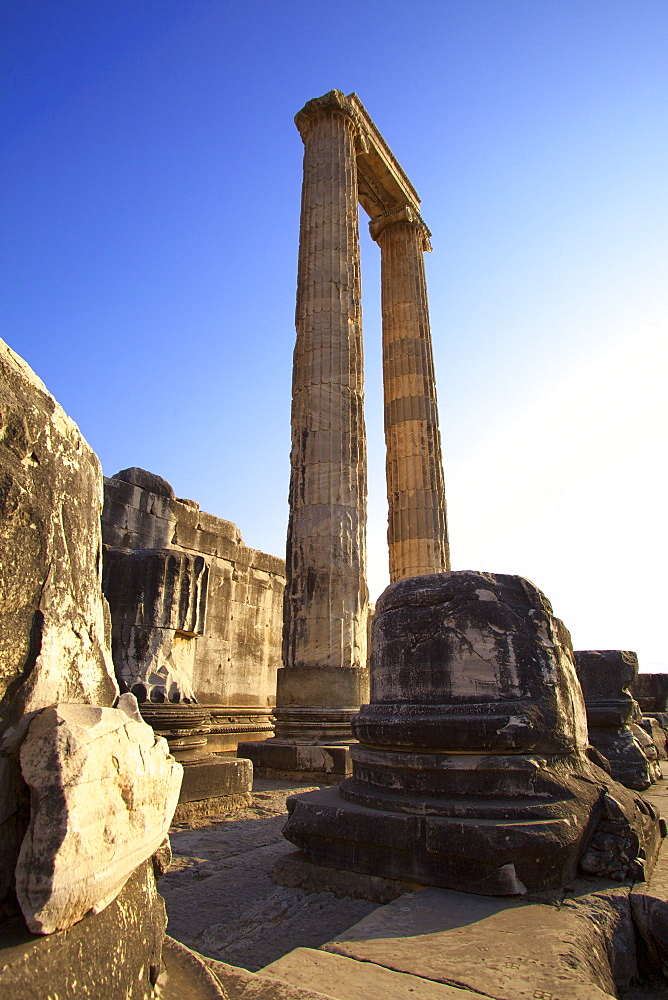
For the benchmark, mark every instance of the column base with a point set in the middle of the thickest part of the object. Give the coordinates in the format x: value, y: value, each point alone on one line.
x: 493, y: 825
x: 312, y: 731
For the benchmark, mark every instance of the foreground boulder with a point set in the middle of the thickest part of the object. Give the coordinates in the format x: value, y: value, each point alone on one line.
x: 85, y: 788
x: 471, y: 770
x: 53, y: 645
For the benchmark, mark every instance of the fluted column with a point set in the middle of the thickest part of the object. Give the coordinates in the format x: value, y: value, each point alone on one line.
x: 324, y: 625
x: 417, y: 526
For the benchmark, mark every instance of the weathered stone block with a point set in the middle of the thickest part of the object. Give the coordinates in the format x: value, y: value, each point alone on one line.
x: 53, y: 620
x: 103, y: 793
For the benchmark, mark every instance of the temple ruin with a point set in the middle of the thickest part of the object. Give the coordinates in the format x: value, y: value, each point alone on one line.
x: 324, y: 677
x: 483, y: 820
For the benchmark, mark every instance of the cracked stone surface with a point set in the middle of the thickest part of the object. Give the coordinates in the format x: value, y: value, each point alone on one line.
x: 220, y: 896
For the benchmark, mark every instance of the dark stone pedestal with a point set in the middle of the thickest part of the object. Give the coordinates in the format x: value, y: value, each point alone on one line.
x: 211, y: 784
x: 108, y: 955
x: 471, y: 769
x: 605, y: 676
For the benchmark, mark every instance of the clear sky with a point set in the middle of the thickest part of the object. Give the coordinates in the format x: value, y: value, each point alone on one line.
x: 151, y: 178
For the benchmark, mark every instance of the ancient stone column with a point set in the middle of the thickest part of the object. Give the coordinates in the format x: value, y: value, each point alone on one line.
x: 324, y: 677
x: 417, y: 527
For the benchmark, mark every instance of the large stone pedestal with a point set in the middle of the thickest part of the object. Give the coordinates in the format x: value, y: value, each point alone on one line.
x: 651, y: 693
x: 471, y: 770
x: 605, y: 676
x: 211, y: 784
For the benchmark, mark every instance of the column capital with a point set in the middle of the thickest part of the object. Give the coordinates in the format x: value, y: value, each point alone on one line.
x: 404, y: 214
x: 334, y: 102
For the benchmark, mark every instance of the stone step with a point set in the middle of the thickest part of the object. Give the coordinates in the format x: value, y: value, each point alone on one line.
x: 191, y: 976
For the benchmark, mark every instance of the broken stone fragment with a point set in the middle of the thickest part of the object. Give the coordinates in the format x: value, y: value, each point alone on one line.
x: 103, y: 793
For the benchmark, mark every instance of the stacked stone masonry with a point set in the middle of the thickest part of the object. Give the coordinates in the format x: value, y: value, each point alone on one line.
x: 219, y: 641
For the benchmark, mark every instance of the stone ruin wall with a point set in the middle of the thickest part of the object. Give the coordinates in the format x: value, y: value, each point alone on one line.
x: 233, y: 661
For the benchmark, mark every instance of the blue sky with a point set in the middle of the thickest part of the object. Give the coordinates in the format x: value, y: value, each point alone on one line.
x: 151, y: 178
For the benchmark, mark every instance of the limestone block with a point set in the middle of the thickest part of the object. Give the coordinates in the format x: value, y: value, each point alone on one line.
x: 103, y: 793
x: 146, y: 481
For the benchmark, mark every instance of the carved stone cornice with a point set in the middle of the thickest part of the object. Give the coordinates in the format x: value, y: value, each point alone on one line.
x: 406, y: 214
x: 334, y: 102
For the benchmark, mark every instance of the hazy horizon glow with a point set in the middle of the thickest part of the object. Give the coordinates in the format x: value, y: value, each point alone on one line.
x: 151, y: 173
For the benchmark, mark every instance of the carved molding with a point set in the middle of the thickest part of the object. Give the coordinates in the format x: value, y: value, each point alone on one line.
x: 404, y: 215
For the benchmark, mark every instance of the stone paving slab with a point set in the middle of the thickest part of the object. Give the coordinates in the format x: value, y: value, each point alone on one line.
x: 220, y: 896
x: 190, y: 976
x: 350, y: 980
x: 500, y: 948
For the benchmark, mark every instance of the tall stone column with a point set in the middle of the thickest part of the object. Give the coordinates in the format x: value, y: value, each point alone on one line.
x: 324, y: 677
x: 417, y: 526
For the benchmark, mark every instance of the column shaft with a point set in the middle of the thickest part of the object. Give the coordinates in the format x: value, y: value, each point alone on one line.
x: 324, y: 625
x: 417, y: 526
